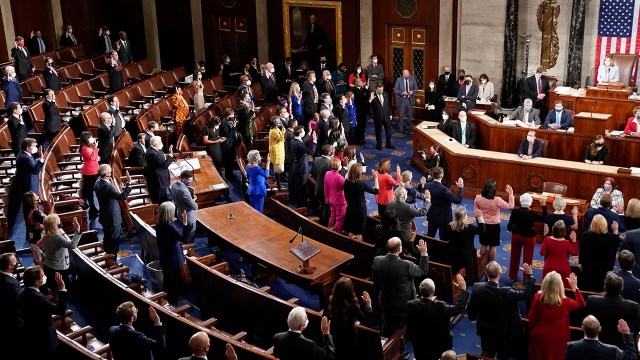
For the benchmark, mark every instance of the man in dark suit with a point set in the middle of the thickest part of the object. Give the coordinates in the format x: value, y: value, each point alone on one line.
x: 463, y: 131
x: 10, y: 331
x: 200, y: 345
x: 137, y: 153
x: 22, y: 58
x: 326, y: 85
x: 104, y: 45
x: 375, y: 73
x: 495, y: 310
x: 110, y: 211
x: 119, y: 123
x: 445, y: 82
x: 157, y: 171
x: 68, y: 39
x: 558, y: 119
x: 394, y: 279
x: 123, y: 47
x: 185, y: 202
x: 300, y: 168
x: 51, y: 77
x: 17, y: 127
x: 361, y: 100
x: 530, y: 147
x: 592, y: 348
x: 310, y: 98
x: 286, y: 76
x: 52, y: 119
x: 405, y: 90
x: 526, y: 114
x: 467, y: 94
x: 406, y: 213
x: 36, y: 313
x: 270, y: 84
x: 114, y: 69
x: 11, y: 87
x: 127, y: 343
x: 292, y: 345
x: 28, y: 166
x: 429, y: 320
x: 319, y: 170
x: 606, y: 211
x: 537, y: 89
x: 36, y: 44
x: 611, y: 307
x: 631, y: 284
x: 106, y: 131
x: 439, y: 215
x: 632, y: 243
x: 381, y: 114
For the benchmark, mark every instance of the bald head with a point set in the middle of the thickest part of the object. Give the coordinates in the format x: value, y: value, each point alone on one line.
x: 394, y: 246
x: 591, y: 327
x: 105, y: 118
x: 493, y: 270
x: 199, y: 344
x: 449, y: 355
x: 406, y: 73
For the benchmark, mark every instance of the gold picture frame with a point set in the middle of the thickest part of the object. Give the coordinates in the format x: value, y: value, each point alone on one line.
x: 336, y: 5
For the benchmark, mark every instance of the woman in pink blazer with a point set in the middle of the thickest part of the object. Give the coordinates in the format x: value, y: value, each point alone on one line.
x: 334, y: 194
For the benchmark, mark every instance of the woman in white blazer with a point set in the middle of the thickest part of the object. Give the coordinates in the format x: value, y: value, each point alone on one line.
x: 485, y: 89
x: 608, y: 72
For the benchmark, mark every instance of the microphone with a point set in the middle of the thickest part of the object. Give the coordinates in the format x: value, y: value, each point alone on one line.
x: 296, y: 235
x: 193, y: 170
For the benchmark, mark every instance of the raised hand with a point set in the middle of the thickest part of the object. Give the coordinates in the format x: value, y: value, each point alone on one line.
x: 40, y: 152
x: 60, y: 282
x: 171, y: 150
x: 362, y: 157
x: 573, y: 237
x: 623, y: 328
x: 422, y: 247
x: 427, y: 194
x: 268, y: 157
x: 373, y: 95
x: 374, y: 173
x: 573, y: 281
x: 509, y: 190
x: 460, y: 183
x: 128, y: 177
x: 574, y: 211
x: 153, y: 315
x: 615, y: 226
x: 325, y: 325
x: 76, y: 224
x: 314, y: 136
x: 526, y: 269
x: 366, y: 298
x: 460, y: 284
x: 230, y: 353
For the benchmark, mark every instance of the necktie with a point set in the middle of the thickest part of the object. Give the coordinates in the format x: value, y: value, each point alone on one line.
x: 526, y: 117
x: 73, y: 39
x: 539, y: 86
x: 558, y: 117
x: 106, y: 40
x: 24, y: 51
x: 41, y: 45
x: 381, y: 99
x: 464, y: 133
x: 289, y: 70
x: 406, y: 85
x: 315, y: 93
x: 467, y: 92
x: 124, y: 44
x: 446, y: 78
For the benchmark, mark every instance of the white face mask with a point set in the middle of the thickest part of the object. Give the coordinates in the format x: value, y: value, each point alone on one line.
x: 92, y: 140
x: 44, y: 279
x: 431, y: 86
x: 107, y: 32
x: 328, y: 77
x: 527, y: 108
x: 483, y: 81
x: 374, y: 61
x: 359, y: 71
x: 248, y: 83
x: 160, y: 146
x: 530, y: 139
x: 463, y: 119
x: 34, y: 150
x: 445, y: 117
x: 273, y: 70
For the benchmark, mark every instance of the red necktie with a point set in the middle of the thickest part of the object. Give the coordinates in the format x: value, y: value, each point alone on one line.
x: 539, y: 86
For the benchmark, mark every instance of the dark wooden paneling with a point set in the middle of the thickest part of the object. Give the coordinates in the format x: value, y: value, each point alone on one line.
x: 4, y: 52
x: 24, y: 20
x: 427, y: 15
x: 175, y: 34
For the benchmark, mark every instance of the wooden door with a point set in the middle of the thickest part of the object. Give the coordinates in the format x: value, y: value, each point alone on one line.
x: 232, y: 39
x: 407, y: 49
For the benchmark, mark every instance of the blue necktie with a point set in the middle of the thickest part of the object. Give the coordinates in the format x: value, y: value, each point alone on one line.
x: 558, y: 116
x: 41, y: 43
x: 464, y: 136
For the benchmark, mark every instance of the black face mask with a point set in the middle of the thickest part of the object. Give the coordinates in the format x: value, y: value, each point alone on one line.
x: 461, y: 77
x: 468, y: 82
x: 447, y: 72
x: 599, y: 145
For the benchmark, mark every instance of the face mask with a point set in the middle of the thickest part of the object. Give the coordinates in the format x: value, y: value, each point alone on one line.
x: 599, y: 145
x: 248, y: 83
x: 226, y: 61
x: 329, y: 77
x: 558, y: 110
x: 359, y: 71
x: 638, y: 116
x: 343, y: 70
x: 124, y: 38
x: 92, y: 140
x: 461, y: 77
x: 187, y: 183
x: 323, y: 62
x: 160, y: 147
x: 21, y: 43
x: 202, y: 69
x: 44, y: 279
x: 70, y: 31
x: 445, y: 117
x: 249, y: 101
x: 463, y: 119
x: 607, y: 62
x: 306, y: 323
x: 273, y: 70
x: 608, y: 187
x: 379, y: 92
x: 431, y: 86
x: 527, y: 108
x: 107, y: 33
x: 467, y: 82
x: 447, y: 72
x: 483, y: 81
x: 34, y: 150
x: 530, y: 138
x: 329, y: 101
x: 50, y: 64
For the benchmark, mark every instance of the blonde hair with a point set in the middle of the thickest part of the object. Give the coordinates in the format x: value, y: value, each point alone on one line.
x: 294, y: 89
x: 552, y: 291
x: 407, y: 176
x: 459, y: 216
x: 166, y: 213
x: 599, y: 225
x: 559, y: 203
x: 51, y: 222
x: 633, y: 209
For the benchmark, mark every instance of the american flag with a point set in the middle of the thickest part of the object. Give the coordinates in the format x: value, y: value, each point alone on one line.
x: 618, y: 29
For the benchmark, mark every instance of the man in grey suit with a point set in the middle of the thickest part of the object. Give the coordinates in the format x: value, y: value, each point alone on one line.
x: 526, y: 114
x: 405, y: 90
x: 393, y: 278
x: 185, y: 202
x: 375, y: 73
x: 110, y: 213
x: 406, y: 213
x: 467, y: 94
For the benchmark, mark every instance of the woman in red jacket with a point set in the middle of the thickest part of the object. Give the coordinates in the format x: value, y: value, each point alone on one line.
x: 632, y: 127
x: 386, y: 183
x: 89, y: 171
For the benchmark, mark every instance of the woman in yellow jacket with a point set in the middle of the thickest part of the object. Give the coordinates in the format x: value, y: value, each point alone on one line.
x: 276, y: 148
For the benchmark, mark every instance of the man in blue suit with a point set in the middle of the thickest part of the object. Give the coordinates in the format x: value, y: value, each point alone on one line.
x: 11, y: 87
x: 558, y: 119
x: 405, y: 90
x: 26, y: 179
x: 631, y: 287
x: 127, y: 343
x: 110, y: 213
x: 531, y: 147
x: 632, y: 243
x: 36, y: 312
x: 608, y: 213
x: 9, y: 288
x: 439, y: 214
x: 591, y: 348
x: 467, y: 94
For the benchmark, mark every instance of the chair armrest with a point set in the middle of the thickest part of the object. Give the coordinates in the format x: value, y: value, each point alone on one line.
x: 86, y: 97
x: 148, y: 97
x: 74, y: 78
x: 65, y: 109
x: 87, y: 75
x: 66, y: 172
x: 99, y: 92
x: 99, y: 70
x: 159, y: 92
x: 132, y: 169
x: 75, y: 103
x: 67, y: 191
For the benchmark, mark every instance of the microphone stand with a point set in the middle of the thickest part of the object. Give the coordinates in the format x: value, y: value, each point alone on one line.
x: 296, y: 235
x: 193, y: 170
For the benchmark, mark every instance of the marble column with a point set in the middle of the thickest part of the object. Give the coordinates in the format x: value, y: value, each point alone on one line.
x: 196, y: 28
x: 6, y: 16
x: 576, y: 43
x: 151, y: 33
x: 509, y: 97
x: 445, y: 27
x: 366, y: 31
x: 262, y: 29
x: 56, y: 15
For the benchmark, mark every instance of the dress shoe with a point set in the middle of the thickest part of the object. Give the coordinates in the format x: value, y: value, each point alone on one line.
x: 390, y: 147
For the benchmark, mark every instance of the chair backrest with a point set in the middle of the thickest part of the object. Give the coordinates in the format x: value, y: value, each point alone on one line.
x: 545, y: 145
x: 627, y: 65
x: 147, y: 237
x: 554, y: 187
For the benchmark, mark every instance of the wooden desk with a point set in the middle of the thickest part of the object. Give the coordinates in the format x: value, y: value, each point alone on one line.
x: 492, y: 135
x: 476, y: 166
x: 267, y: 242
x: 204, y: 179
x: 453, y: 106
x: 592, y: 123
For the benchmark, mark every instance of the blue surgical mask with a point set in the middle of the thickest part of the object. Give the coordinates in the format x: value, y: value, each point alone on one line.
x: 187, y: 183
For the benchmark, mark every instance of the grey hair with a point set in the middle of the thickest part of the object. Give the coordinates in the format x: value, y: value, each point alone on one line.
x: 104, y: 116
x: 325, y: 114
x: 559, y: 203
x: 297, y: 317
x: 103, y: 169
x: 427, y: 288
x: 8, y: 69
x: 155, y: 140
x: 400, y: 194
x: 166, y: 213
x: 493, y: 270
x: 527, y: 100
x: 254, y: 156
x: 526, y: 200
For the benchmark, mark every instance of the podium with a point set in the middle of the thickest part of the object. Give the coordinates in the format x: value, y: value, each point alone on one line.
x: 304, y: 252
x: 589, y: 123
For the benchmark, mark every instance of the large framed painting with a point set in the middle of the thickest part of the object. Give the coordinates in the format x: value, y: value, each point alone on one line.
x: 312, y: 29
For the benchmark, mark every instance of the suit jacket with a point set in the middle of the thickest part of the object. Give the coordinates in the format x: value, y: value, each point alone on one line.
x: 170, y: 238
x: 124, y: 54
x: 361, y: 97
x: 394, y: 279
x: 300, y: 152
x: 118, y: 120
x: 184, y: 201
x: 9, y: 289
x: 468, y: 98
x: 596, y: 350
x: 126, y: 343
x: 36, y: 313
x: 270, y: 88
x: 101, y: 44
x: 34, y: 46
x: 531, y: 91
x: 565, y: 119
x: 446, y: 127
x: 631, y: 289
x: 429, y: 325
x: 52, y: 119
x: 496, y: 308
x: 326, y: 86
x: 309, y: 103
x: 608, y: 310
x: 105, y: 142
x: 632, y: 243
x: 116, y: 82
x: 441, y: 199
x: 27, y: 170
x: 108, y: 196
x: 18, y: 133
x: 319, y: 170
x: 67, y: 41
x: 613, y: 76
x: 12, y: 91
x: 406, y: 213
x: 609, y: 215
x: 157, y: 173
x: 399, y: 88
x: 292, y: 345
x: 51, y: 79
x: 446, y: 86
x: 284, y: 75
x: 380, y: 112
x: 375, y: 70
x: 470, y: 134
x: 518, y: 114
x: 137, y: 156
x: 23, y: 62
x: 535, y: 152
